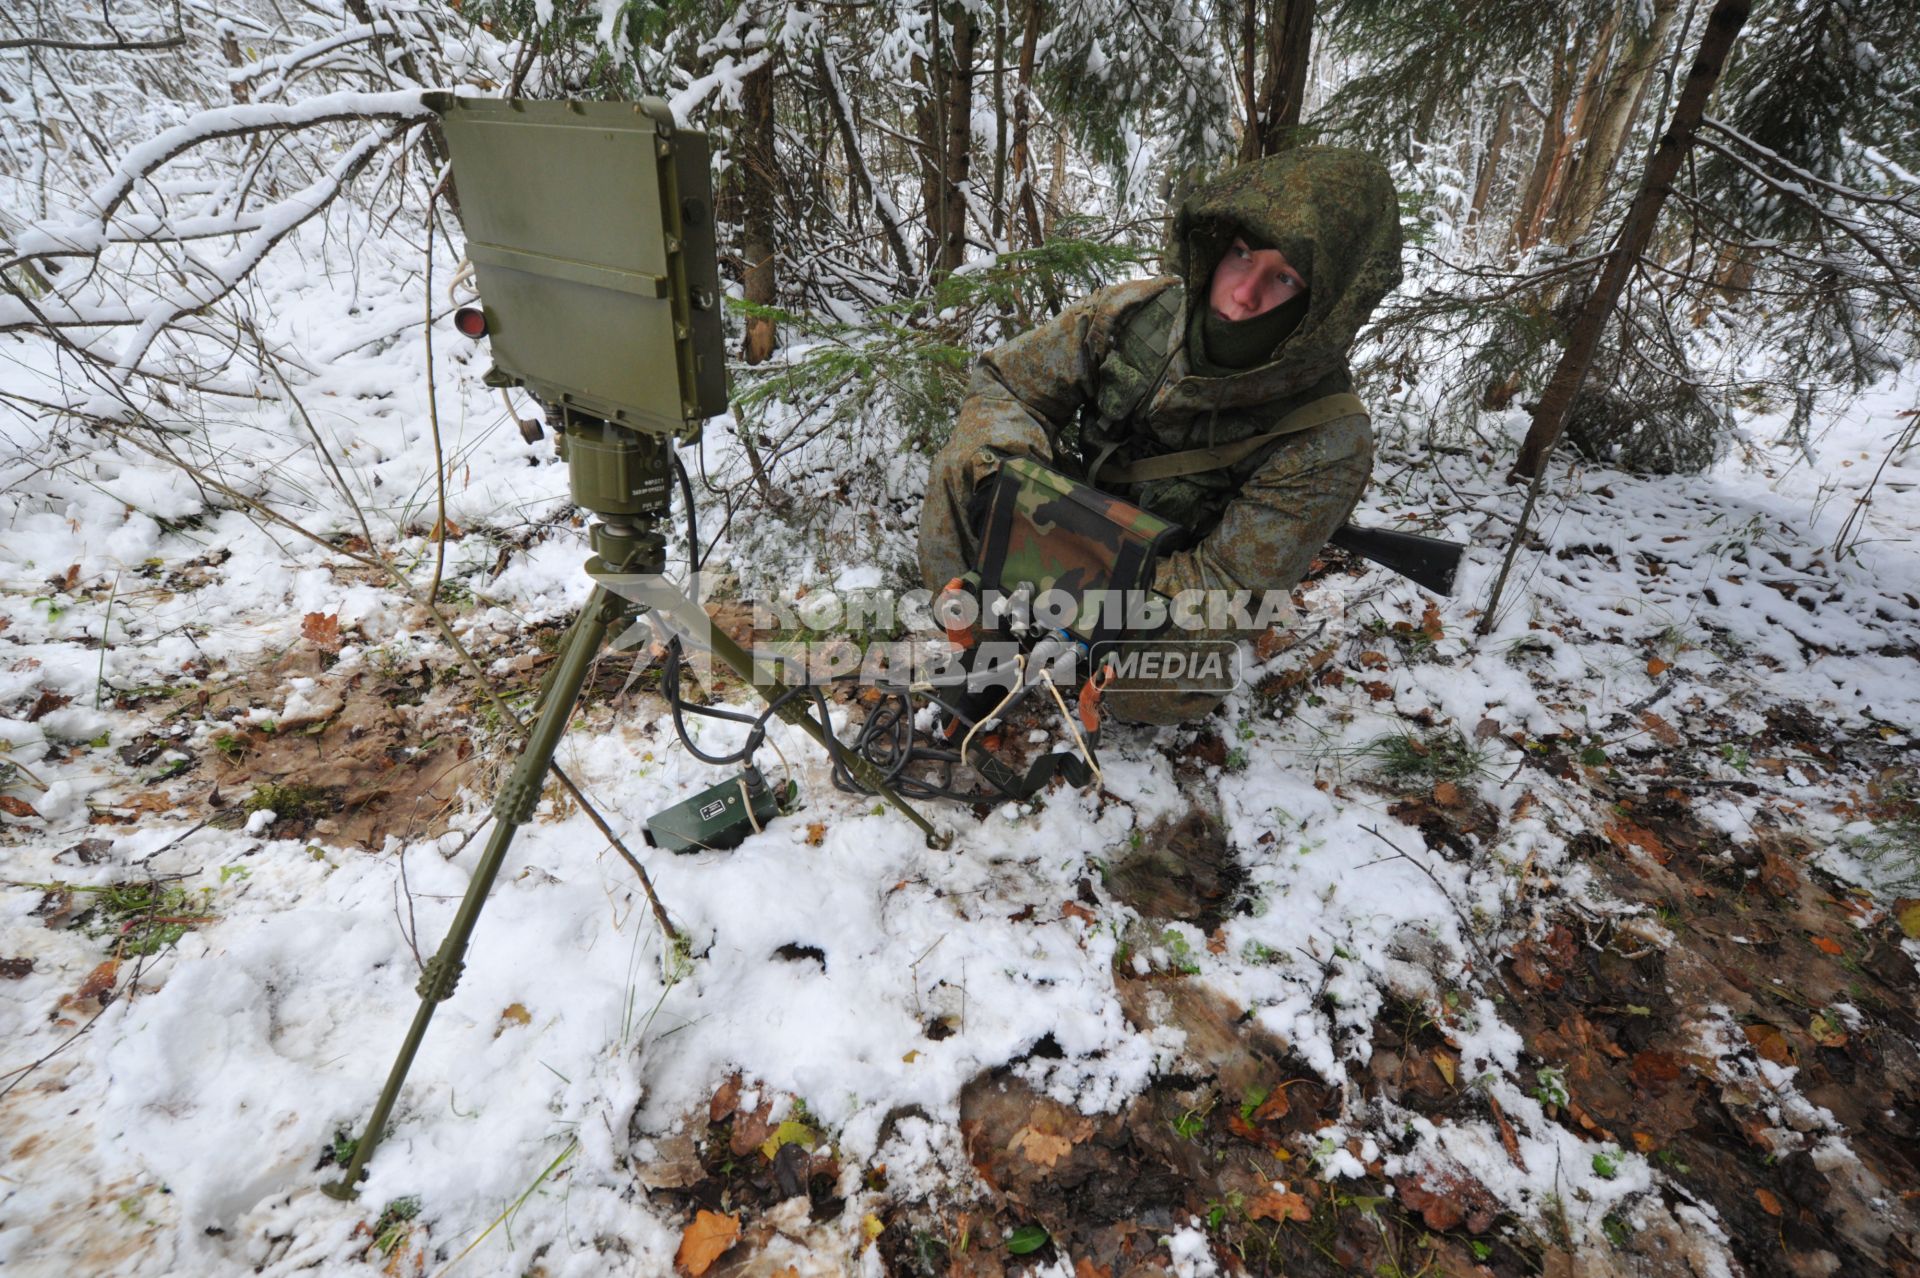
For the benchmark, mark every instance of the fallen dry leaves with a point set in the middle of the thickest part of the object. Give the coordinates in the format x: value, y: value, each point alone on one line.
x: 1448, y: 1197
x: 1625, y: 836
x: 705, y: 1240
x: 1907, y: 912
x: 1507, y: 1139
x: 725, y: 1098
x: 1769, y: 1043
x: 48, y: 702
x: 322, y: 629
x: 1043, y: 1149
x: 1826, y: 1031
x: 94, y: 993
x: 1279, y: 1206
x: 1663, y: 732
x: 1275, y: 1105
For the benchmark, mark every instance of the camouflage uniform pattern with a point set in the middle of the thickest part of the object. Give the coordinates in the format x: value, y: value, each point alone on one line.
x: 1087, y: 377
x: 1045, y: 531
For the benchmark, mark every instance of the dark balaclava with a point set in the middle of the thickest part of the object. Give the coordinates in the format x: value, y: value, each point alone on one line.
x: 1217, y: 346
x: 1334, y: 213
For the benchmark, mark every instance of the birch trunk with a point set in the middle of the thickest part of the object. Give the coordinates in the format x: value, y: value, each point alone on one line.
x: 1490, y: 162
x: 1552, y: 136
x: 1621, y: 97
x: 1550, y: 418
x: 1566, y: 154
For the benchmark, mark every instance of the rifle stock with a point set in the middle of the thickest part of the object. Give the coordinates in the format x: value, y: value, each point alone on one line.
x: 1427, y: 561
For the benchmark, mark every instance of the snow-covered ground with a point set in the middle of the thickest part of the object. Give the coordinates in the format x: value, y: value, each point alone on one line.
x: 172, y: 1116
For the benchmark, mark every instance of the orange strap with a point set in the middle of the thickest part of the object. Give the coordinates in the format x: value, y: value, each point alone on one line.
x: 958, y: 636
x: 1090, y: 697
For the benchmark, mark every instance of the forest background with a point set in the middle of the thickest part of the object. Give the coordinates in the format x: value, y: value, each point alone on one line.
x: 903, y: 185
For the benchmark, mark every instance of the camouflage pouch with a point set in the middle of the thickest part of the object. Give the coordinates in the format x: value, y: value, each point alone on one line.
x: 1045, y: 531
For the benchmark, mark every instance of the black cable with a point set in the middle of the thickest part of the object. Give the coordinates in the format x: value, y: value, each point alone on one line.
x: 694, y: 556
x: 886, y: 739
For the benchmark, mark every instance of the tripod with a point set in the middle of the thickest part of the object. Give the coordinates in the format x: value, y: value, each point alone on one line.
x: 621, y: 476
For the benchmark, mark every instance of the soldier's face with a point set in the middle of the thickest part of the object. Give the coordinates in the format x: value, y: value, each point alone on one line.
x: 1250, y: 282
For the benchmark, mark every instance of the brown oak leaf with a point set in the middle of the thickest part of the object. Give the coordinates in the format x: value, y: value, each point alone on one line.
x: 1274, y: 1106
x: 1769, y: 1043
x: 1447, y: 1198
x: 705, y: 1240
x: 322, y: 629
x: 46, y: 704
x: 1624, y: 835
x: 725, y: 1098
x: 1279, y: 1206
x: 1043, y: 1149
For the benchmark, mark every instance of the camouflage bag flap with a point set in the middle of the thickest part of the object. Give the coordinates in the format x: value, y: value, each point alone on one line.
x: 1049, y: 532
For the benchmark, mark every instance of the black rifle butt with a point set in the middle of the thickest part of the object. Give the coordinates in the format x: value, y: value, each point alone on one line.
x: 1426, y: 561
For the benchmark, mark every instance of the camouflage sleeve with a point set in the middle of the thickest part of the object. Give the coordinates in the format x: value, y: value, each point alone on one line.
x: 1020, y: 396
x: 1270, y: 533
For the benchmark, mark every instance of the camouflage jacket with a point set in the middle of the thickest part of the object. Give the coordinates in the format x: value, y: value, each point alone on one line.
x: 1082, y: 378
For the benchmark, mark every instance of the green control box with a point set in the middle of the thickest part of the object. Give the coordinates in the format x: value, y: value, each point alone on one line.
x: 717, y: 818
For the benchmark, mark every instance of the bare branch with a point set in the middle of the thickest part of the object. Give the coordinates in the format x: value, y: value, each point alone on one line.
x: 85, y: 46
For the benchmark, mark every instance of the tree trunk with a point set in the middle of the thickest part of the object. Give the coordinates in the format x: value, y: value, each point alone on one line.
x: 863, y: 183
x: 1566, y: 154
x: 944, y: 120
x: 1249, y: 91
x: 1549, y: 419
x: 1552, y: 135
x: 928, y: 108
x: 1289, y: 48
x: 757, y: 198
x: 1620, y: 101
x: 999, y: 121
x: 1019, y: 157
x: 1490, y: 162
x: 1057, y: 180
x: 957, y: 160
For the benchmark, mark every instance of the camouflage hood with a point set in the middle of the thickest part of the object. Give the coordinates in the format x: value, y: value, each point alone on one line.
x: 1334, y: 213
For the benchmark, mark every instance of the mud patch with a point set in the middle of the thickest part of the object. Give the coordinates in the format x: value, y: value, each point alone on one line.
x: 1183, y: 869
x: 352, y: 759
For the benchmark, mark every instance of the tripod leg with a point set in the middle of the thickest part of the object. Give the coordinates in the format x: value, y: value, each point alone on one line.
x: 514, y: 804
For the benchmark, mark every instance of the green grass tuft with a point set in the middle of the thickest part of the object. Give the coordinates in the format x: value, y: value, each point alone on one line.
x: 1439, y: 755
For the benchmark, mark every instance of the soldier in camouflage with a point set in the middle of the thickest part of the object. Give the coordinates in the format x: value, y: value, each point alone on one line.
x: 1276, y: 266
